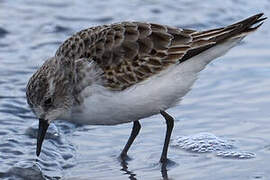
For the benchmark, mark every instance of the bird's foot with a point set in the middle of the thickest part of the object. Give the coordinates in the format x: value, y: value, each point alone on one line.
x: 163, y: 160
x: 124, y: 157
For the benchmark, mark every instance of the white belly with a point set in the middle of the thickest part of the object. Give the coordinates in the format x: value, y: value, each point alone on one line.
x: 160, y: 92
x: 139, y: 101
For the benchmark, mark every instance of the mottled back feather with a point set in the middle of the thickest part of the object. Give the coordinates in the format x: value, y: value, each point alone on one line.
x: 130, y: 52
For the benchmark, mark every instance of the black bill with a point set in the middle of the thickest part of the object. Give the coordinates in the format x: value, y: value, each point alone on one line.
x: 42, y: 128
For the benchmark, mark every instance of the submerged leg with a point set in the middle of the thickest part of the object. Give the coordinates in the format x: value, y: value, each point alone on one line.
x: 170, y: 123
x: 135, y: 131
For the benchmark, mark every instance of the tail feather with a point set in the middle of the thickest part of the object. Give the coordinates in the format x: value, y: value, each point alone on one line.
x: 203, y: 40
x: 220, y: 34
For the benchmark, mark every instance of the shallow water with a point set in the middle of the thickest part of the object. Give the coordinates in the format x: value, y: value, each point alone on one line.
x: 222, y: 128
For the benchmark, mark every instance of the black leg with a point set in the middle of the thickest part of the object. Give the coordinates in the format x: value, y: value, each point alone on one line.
x: 135, y: 131
x: 170, y: 123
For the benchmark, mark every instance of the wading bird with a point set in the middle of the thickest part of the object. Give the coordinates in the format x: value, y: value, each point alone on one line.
x: 124, y: 72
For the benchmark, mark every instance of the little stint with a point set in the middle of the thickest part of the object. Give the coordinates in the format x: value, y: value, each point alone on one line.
x: 123, y: 72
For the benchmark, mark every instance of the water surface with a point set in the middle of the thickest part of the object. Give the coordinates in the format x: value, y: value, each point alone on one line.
x: 222, y: 128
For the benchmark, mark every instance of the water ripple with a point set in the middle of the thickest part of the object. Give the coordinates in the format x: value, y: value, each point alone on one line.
x: 207, y: 142
x: 231, y: 97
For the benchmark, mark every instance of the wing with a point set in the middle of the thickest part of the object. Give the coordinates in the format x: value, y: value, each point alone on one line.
x: 130, y: 52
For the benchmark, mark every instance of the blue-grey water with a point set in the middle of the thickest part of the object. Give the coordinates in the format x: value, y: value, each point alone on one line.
x: 222, y: 127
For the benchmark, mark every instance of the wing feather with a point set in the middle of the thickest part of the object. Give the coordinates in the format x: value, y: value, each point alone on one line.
x: 130, y: 52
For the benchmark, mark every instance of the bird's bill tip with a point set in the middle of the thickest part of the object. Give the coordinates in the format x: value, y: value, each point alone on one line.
x: 42, y: 129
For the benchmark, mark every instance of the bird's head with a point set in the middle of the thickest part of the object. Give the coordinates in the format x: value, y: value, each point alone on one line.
x: 49, y: 94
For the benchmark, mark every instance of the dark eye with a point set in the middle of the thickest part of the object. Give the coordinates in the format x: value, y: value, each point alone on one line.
x: 48, y: 102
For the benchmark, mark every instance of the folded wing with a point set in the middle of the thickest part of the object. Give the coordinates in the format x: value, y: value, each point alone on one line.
x: 130, y: 52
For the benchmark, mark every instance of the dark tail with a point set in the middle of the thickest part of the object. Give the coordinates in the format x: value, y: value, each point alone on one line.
x: 210, y: 38
x: 243, y: 27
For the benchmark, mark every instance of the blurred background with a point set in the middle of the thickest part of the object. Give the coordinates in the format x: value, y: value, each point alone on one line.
x: 222, y: 128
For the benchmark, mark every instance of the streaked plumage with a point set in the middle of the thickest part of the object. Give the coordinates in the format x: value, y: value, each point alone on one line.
x: 126, y: 71
x: 131, y: 52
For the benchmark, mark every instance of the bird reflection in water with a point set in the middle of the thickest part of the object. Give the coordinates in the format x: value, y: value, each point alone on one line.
x: 124, y: 165
x: 132, y: 175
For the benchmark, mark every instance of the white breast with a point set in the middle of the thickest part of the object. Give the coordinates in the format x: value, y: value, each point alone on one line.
x: 160, y: 92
